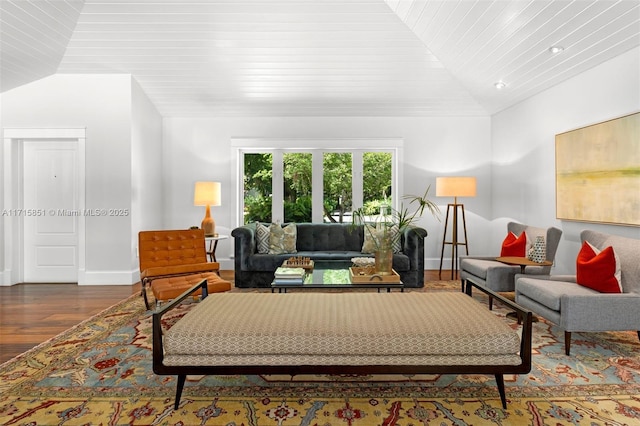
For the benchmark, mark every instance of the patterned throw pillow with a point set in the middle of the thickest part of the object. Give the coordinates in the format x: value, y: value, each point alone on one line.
x: 369, y: 245
x: 262, y: 238
x: 395, y: 237
x: 371, y: 234
x: 282, y: 239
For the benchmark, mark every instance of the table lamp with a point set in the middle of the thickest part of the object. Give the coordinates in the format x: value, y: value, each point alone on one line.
x: 207, y: 194
x: 455, y: 186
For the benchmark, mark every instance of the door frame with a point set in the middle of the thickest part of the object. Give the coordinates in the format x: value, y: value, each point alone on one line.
x: 13, y: 197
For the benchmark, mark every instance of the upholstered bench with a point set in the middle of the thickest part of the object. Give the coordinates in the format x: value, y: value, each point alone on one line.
x: 340, y: 333
x: 172, y: 287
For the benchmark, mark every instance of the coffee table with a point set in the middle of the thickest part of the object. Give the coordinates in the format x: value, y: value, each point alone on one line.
x: 327, y: 275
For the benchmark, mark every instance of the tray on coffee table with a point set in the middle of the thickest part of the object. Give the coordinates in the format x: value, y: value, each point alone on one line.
x: 365, y: 275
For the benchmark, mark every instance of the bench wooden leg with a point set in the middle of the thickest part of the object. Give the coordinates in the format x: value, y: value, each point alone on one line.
x: 567, y: 342
x: 503, y: 396
x: 181, y: 379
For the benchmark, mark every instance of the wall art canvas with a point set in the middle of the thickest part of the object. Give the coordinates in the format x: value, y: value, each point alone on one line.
x: 598, y: 172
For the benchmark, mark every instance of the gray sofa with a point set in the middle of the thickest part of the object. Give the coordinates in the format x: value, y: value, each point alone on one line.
x: 576, y: 308
x: 323, y: 241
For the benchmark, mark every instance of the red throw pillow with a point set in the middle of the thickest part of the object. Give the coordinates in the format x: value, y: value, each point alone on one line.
x: 598, y: 270
x: 514, y: 246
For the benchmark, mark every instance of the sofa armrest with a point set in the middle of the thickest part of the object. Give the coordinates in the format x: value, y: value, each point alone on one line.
x: 245, y: 245
x: 600, y: 312
x: 413, y: 247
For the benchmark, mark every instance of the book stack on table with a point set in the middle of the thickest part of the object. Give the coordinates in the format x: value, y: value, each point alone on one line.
x: 289, y: 275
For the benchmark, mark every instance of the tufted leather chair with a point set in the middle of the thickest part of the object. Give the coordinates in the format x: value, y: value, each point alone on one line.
x: 173, y: 261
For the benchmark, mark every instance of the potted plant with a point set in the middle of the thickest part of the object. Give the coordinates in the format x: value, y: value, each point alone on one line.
x: 385, y: 230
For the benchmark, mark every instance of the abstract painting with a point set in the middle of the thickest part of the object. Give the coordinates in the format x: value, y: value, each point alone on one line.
x: 598, y: 172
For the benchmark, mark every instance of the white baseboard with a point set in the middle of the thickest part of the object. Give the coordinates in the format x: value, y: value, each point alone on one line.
x: 5, y: 278
x: 108, y: 277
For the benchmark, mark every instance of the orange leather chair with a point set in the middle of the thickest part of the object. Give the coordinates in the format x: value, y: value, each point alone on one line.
x: 174, y: 261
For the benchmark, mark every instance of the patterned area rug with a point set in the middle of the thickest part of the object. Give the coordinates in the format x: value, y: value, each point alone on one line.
x: 100, y: 372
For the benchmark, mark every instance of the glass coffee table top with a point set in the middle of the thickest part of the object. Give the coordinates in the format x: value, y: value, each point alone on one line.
x: 332, y: 275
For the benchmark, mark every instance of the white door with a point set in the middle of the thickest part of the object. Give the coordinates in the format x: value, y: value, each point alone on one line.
x: 50, y: 201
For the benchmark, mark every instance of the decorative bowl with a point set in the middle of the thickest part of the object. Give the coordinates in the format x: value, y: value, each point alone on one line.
x: 363, y: 261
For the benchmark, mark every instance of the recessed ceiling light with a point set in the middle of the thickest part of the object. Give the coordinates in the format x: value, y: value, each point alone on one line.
x: 500, y: 84
x: 556, y: 49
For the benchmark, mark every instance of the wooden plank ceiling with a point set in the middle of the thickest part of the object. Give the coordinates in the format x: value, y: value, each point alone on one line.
x: 318, y: 58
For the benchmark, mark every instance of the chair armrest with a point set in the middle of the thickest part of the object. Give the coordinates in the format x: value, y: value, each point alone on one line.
x: 165, y: 271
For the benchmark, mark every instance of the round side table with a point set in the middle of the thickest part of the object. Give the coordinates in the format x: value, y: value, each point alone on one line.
x: 213, y: 245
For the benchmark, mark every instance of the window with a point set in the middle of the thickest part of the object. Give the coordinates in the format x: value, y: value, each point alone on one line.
x: 257, y: 189
x: 337, y: 184
x: 291, y: 184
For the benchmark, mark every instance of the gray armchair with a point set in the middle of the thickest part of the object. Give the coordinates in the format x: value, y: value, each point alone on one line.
x: 485, y: 271
x: 576, y: 308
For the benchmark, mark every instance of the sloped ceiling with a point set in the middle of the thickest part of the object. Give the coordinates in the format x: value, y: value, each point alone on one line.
x: 318, y: 58
x: 33, y: 38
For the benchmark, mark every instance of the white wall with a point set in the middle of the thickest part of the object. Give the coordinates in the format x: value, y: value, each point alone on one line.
x: 146, y: 170
x: 512, y: 155
x: 199, y: 149
x: 523, y: 139
x: 101, y: 104
x: 2, y: 231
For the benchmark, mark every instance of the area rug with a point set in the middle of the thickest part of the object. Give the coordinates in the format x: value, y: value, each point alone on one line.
x: 99, y: 373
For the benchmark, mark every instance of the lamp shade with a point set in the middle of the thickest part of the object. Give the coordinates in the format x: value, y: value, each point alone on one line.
x: 207, y: 194
x: 456, y: 186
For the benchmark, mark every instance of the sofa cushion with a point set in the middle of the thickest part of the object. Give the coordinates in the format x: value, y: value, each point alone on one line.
x: 329, y: 237
x: 266, y: 262
x: 172, y: 287
x: 482, y: 268
x: 269, y: 262
x: 598, y: 269
x: 549, y: 293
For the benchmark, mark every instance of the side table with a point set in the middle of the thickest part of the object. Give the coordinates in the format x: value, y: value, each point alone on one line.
x: 523, y: 262
x: 213, y: 245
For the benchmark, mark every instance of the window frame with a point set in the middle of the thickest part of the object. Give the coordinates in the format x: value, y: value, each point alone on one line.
x: 317, y: 147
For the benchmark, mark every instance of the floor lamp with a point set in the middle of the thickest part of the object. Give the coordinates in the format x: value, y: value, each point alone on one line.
x: 454, y: 186
x: 207, y: 194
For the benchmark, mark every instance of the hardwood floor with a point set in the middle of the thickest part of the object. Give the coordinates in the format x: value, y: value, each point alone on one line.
x: 33, y: 313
